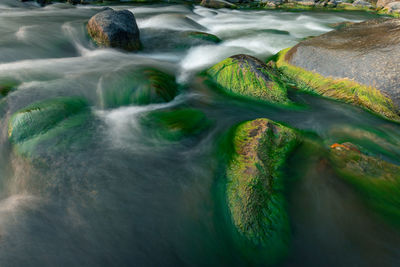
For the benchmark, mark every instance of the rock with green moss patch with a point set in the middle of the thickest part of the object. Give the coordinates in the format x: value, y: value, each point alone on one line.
x: 174, y: 125
x: 7, y: 86
x: 355, y: 64
x: 45, y: 120
x: 247, y: 76
x: 255, y: 186
x: 203, y: 36
x: 138, y: 86
x: 376, y: 180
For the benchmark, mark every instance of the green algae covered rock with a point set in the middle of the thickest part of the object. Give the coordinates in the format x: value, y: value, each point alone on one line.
x: 255, y: 184
x: 246, y: 76
x: 45, y: 120
x: 354, y: 64
x: 139, y: 86
x: 7, y: 86
x: 376, y: 180
x: 174, y: 125
x: 203, y: 36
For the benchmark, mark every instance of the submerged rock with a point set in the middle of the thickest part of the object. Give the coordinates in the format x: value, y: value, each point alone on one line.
x: 255, y: 184
x: 111, y: 28
x: 356, y: 64
x: 376, y: 180
x: 138, y: 86
x: 203, y: 36
x: 174, y: 125
x: 6, y: 87
x: 45, y: 120
x: 244, y: 75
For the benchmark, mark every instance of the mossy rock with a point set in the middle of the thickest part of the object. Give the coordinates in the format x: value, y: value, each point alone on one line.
x: 332, y: 65
x: 139, y: 86
x: 45, y: 120
x: 177, y: 124
x: 376, y: 180
x: 255, y: 185
x: 247, y: 76
x: 203, y: 36
x: 7, y: 86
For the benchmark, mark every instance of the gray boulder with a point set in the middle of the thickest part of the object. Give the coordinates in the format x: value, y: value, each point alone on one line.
x: 365, y: 52
x: 112, y: 28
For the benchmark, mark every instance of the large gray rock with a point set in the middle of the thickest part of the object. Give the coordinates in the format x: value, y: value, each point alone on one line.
x: 111, y: 28
x: 367, y: 52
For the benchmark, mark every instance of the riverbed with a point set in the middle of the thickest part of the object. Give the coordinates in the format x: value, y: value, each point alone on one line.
x: 130, y: 198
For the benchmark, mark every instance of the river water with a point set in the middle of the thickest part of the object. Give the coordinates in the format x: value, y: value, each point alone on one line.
x: 129, y: 198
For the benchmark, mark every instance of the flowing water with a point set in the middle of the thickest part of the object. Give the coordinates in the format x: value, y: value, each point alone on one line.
x: 128, y: 197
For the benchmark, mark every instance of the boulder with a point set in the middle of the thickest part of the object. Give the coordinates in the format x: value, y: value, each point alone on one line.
x: 117, y: 29
x: 362, y: 3
x: 217, y: 4
x: 356, y: 64
x: 138, y: 86
x: 173, y: 125
x: 45, y: 120
x: 247, y: 76
x: 375, y: 180
x: 393, y: 7
x: 255, y: 185
x: 383, y: 3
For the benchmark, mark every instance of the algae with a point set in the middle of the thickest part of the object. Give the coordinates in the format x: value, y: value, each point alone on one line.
x: 255, y: 185
x: 243, y: 76
x: 376, y: 181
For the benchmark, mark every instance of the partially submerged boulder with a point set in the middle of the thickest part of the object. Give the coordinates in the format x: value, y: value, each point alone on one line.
x: 112, y: 28
x: 255, y: 184
x: 356, y: 64
x: 7, y: 86
x: 176, y: 124
x: 140, y: 86
x: 376, y: 180
x: 45, y: 120
x: 247, y: 76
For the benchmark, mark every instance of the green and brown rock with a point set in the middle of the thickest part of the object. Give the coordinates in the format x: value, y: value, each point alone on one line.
x: 255, y: 184
x: 356, y: 64
x: 376, y: 180
x: 247, y: 76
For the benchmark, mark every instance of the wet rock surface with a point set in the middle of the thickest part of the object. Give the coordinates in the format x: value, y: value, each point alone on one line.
x: 111, y: 28
x: 365, y: 52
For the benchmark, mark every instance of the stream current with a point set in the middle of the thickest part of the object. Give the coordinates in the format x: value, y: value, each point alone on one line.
x: 129, y: 198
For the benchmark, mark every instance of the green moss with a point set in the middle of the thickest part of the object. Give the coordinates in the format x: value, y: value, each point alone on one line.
x: 174, y: 125
x: 239, y: 79
x: 340, y: 89
x: 377, y: 181
x: 45, y: 120
x: 255, y: 184
x: 204, y: 36
x: 139, y: 86
x: 6, y: 86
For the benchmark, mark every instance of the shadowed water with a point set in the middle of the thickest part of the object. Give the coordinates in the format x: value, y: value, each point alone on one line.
x: 129, y: 198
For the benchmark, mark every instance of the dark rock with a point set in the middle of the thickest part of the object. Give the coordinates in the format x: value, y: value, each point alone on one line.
x: 217, y: 4
x: 115, y: 29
